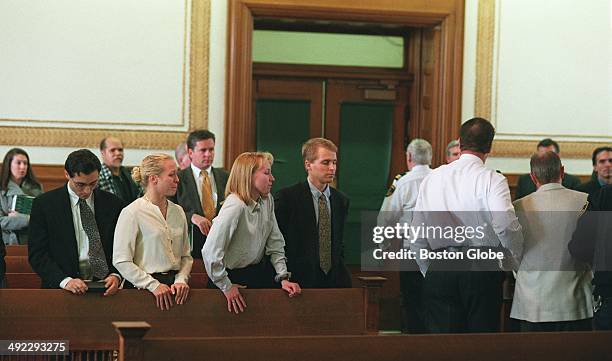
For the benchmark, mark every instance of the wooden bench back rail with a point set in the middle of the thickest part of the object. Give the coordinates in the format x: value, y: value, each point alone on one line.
x: 53, y: 314
x: 32, y: 281
x: 17, y: 262
x: 449, y: 347
x: 22, y: 281
x: 15, y: 250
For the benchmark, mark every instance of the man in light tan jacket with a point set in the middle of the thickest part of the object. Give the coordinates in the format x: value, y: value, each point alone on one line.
x: 553, y: 291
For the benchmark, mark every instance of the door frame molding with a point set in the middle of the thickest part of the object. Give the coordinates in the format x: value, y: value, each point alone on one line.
x: 446, y: 16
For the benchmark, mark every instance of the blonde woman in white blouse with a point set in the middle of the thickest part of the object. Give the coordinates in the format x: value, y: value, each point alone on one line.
x: 244, y: 232
x: 151, y: 249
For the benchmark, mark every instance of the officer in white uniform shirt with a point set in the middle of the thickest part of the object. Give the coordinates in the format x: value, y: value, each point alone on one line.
x: 398, y: 206
x: 468, y: 194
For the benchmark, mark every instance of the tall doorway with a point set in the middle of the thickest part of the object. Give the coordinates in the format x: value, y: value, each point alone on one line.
x: 367, y: 119
x: 437, y: 51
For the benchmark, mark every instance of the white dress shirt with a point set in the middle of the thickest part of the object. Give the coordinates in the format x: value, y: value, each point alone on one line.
x: 240, y: 236
x: 198, y: 178
x: 79, y: 232
x: 476, y: 196
x: 147, y: 243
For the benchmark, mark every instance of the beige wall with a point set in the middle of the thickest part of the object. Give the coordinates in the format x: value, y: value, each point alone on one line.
x: 547, y: 75
x: 552, y: 74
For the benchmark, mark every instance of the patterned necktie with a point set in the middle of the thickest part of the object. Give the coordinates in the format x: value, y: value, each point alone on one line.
x: 324, y: 235
x: 97, y: 258
x: 208, y: 204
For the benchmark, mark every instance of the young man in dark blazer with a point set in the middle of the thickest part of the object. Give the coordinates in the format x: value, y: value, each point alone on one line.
x: 311, y: 216
x: 201, y: 189
x: 72, y: 228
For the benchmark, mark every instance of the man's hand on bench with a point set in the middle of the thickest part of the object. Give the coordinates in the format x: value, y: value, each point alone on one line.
x: 235, y: 302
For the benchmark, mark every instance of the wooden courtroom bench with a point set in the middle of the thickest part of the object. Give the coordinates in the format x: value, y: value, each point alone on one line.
x: 31, y: 280
x: 20, y: 273
x: 14, y: 250
x: 18, y: 264
x: 28, y: 280
x: 575, y: 346
x: 56, y: 314
x: 22, y: 276
x: 17, y: 261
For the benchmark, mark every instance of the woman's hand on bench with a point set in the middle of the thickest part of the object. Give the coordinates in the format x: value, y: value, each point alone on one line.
x: 180, y: 290
x: 292, y: 288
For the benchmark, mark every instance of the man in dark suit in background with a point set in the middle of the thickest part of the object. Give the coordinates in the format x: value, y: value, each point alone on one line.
x: 525, y: 185
x: 311, y: 216
x: 201, y: 188
x: 602, y: 166
x: 72, y: 228
x: 592, y: 243
x: 115, y: 178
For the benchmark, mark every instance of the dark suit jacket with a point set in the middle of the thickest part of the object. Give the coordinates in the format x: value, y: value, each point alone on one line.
x: 52, y: 248
x: 296, y: 219
x: 591, y: 187
x: 134, y: 190
x: 187, y: 197
x: 526, y: 186
x: 592, y: 239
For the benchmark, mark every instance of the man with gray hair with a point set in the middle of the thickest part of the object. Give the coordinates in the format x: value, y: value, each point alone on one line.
x: 402, y: 194
x: 553, y: 291
x: 453, y: 152
x: 399, y: 203
x: 181, y: 155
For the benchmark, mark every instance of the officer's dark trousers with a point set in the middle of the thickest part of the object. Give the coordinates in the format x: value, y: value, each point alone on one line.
x: 462, y: 301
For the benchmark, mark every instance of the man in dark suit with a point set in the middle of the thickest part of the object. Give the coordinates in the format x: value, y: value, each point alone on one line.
x: 311, y: 216
x: 592, y: 243
x: 72, y: 228
x: 525, y: 185
x: 201, y: 188
x: 602, y: 166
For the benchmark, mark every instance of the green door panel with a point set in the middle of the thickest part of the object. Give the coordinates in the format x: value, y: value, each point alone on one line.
x: 364, y: 159
x: 282, y: 127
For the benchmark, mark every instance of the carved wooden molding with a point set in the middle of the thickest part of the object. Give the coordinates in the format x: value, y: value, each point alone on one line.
x: 525, y: 148
x: 485, y: 44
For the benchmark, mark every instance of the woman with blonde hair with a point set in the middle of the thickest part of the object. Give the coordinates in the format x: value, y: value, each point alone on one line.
x: 245, y: 232
x: 151, y: 249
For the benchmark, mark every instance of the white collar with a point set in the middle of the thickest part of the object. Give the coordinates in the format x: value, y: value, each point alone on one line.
x: 420, y: 168
x: 196, y: 171
x: 74, y: 199
x: 470, y: 158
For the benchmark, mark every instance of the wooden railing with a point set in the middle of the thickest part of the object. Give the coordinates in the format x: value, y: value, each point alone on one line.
x: 56, y: 314
x: 21, y: 275
x: 575, y: 346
